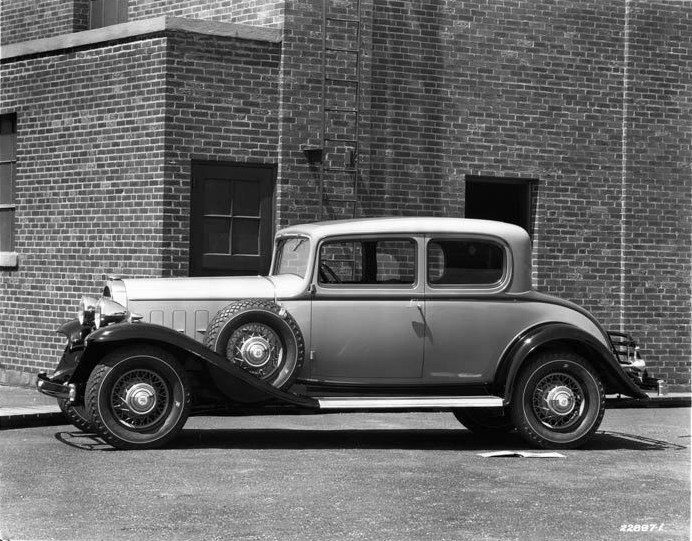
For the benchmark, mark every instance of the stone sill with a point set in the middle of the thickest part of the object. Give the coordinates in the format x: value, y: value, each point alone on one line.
x: 8, y: 259
x: 141, y: 28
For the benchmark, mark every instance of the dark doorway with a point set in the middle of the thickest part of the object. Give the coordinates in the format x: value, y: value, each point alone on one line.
x: 231, y: 224
x: 501, y: 199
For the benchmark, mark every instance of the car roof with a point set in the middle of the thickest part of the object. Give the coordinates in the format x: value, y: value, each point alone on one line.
x: 411, y: 225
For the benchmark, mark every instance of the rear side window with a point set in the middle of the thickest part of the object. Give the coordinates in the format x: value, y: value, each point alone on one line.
x: 365, y: 262
x: 465, y: 262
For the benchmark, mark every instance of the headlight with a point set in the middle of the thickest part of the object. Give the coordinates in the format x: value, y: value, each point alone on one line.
x: 109, y: 311
x: 86, y: 310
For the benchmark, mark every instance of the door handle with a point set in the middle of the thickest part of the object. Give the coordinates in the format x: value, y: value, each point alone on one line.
x: 415, y: 303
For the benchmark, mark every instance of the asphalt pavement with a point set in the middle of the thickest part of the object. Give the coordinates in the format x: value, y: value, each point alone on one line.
x: 349, y: 477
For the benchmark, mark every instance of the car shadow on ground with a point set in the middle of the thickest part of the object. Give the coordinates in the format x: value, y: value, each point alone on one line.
x: 417, y: 439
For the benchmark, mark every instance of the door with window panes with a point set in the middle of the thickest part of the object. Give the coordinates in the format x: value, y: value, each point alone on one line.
x: 367, y: 311
x: 231, y: 219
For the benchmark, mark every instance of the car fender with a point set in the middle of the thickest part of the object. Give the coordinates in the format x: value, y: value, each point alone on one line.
x: 555, y: 336
x: 232, y: 381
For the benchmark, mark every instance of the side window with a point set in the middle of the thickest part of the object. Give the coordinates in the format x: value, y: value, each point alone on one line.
x: 368, y: 262
x: 465, y: 262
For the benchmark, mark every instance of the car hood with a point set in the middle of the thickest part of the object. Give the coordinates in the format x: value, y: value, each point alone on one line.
x: 207, y: 288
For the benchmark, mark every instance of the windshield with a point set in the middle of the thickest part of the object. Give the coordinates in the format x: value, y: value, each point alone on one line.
x: 292, y: 256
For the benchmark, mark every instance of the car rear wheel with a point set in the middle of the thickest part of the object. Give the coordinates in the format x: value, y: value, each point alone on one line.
x: 558, y: 401
x: 138, y: 398
x: 76, y: 414
x: 259, y: 337
x: 487, y: 422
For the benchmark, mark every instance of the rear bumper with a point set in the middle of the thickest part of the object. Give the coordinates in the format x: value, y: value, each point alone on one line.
x: 57, y: 390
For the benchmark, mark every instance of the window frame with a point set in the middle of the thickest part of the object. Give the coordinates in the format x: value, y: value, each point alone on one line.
x: 390, y: 287
x: 8, y: 258
x: 220, y: 264
x: 495, y: 287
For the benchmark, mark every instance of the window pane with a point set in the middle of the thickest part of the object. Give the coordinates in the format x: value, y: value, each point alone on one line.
x: 217, y: 196
x: 110, y: 12
x: 96, y: 14
x: 6, y: 230
x: 246, y: 198
x: 464, y: 262
x: 396, y: 262
x: 216, y: 235
x: 122, y: 11
x: 245, y: 237
x: 6, y: 184
x: 292, y: 256
x: 8, y: 143
x: 341, y: 262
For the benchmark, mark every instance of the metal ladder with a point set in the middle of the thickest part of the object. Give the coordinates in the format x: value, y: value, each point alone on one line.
x: 330, y: 141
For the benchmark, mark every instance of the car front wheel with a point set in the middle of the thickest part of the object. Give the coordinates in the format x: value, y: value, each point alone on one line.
x: 138, y: 398
x: 558, y: 401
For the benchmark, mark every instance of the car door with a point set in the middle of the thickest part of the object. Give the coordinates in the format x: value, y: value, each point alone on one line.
x: 367, y: 310
x: 469, y: 321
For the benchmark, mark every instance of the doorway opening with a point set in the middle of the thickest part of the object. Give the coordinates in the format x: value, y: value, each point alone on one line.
x: 510, y: 200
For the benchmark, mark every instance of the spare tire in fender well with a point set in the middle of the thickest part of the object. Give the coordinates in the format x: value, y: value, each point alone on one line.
x: 552, y: 336
x: 260, y: 337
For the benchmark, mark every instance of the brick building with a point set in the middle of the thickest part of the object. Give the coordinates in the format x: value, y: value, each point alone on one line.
x: 121, y: 121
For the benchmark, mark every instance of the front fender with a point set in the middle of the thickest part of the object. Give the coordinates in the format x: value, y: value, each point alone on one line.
x: 232, y: 381
x: 555, y: 336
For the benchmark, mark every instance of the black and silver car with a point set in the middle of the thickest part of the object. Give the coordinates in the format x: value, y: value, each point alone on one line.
x: 357, y: 315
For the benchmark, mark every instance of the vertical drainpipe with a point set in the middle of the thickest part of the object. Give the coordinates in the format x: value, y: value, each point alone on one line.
x: 623, y: 173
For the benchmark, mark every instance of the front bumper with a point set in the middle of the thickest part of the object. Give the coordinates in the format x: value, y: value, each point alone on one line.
x: 629, y: 357
x: 64, y: 391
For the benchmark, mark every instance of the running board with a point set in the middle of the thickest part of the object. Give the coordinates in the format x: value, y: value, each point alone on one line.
x: 408, y: 402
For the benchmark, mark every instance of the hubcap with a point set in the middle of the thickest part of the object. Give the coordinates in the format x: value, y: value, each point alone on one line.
x: 558, y: 401
x: 561, y: 400
x: 257, y: 348
x: 256, y: 351
x: 141, y: 398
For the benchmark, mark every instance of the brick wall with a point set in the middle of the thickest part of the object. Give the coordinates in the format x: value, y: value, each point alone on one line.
x: 658, y: 190
x: 255, y: 12
x: 538, y: 89
x: 530, y: 90
x: 222, y: 104
x: 89, y: 185
x: 23, y: 20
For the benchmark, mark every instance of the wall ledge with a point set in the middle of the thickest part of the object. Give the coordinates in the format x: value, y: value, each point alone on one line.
x: 135, y: 29
x: 8, y: 259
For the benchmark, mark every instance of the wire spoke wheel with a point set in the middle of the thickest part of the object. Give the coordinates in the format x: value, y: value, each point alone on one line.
x: 558, y: 401
x: 140, y: 399
x: 256, y: 348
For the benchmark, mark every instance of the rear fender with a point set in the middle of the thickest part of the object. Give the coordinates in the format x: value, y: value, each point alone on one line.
x: 562, y: 336
x: 232, y: 381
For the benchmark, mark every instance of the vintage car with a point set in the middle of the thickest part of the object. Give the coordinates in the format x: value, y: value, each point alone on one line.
x: 396, y: 314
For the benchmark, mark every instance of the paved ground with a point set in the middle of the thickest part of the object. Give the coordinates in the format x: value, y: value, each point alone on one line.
x: 347, y: 477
